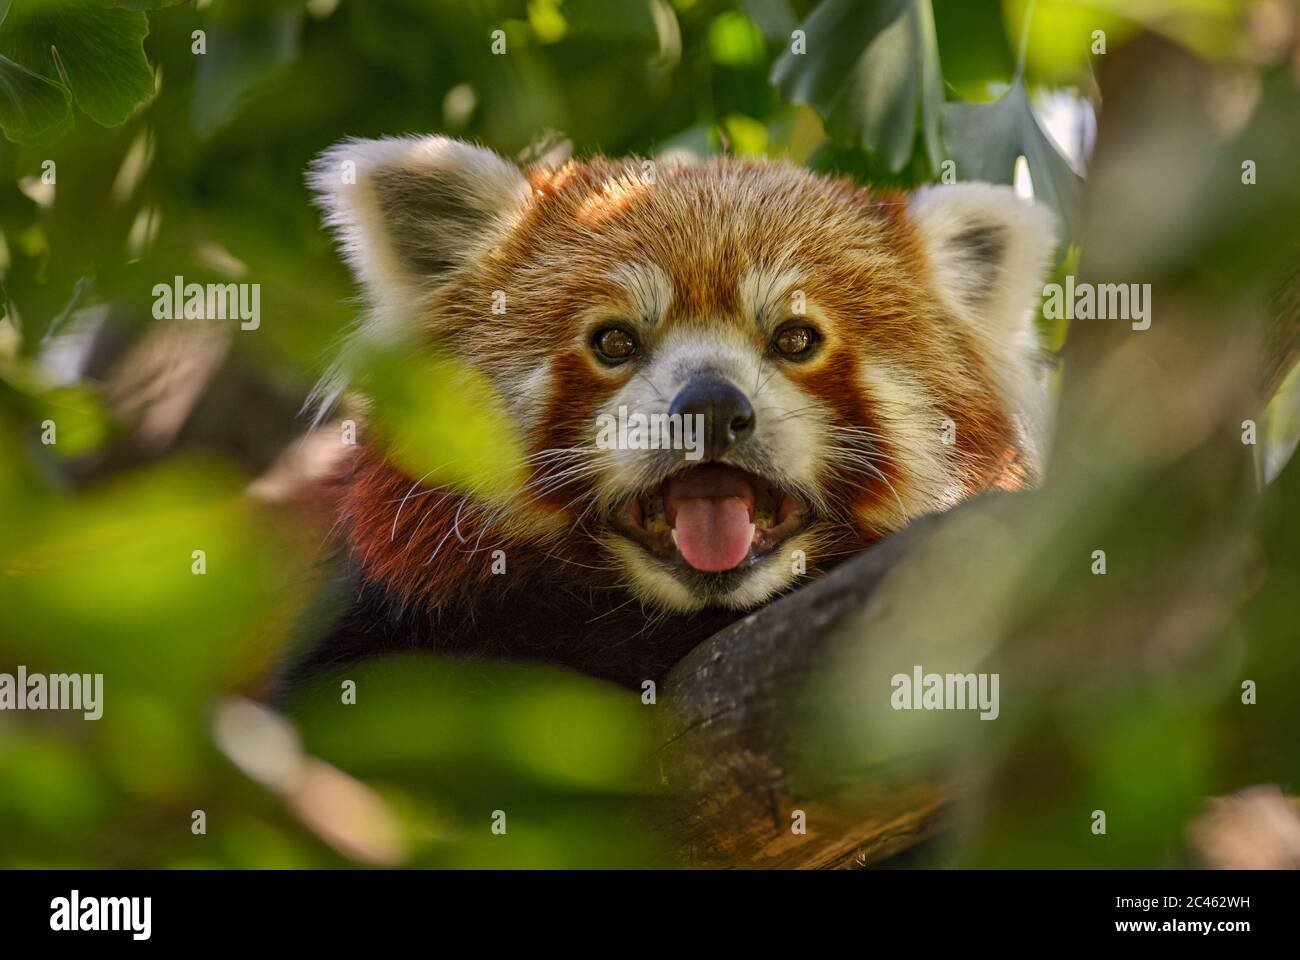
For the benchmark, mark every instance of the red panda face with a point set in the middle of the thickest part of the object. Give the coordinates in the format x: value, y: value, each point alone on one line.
x: 726, y: 374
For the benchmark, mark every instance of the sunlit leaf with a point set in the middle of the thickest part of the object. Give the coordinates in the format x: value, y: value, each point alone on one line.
x: 746, y: 136
x: 1061, y: 35
x: 736, y: 41
x: 442, y: 421
x: 547, y: 20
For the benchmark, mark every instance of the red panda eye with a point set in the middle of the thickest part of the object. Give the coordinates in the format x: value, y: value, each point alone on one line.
x: 614, y: 344
x: 794, y: 341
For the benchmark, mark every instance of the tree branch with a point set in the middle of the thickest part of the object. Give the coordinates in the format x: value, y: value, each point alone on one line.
x: 732, y: 747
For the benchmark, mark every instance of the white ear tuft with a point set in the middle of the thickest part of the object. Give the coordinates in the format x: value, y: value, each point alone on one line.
x: 990, y: 251
x: 408, y: 209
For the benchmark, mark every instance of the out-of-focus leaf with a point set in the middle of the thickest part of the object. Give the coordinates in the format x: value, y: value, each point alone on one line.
x: 869, y: 69
x: 1280, y: 427
x: 443, y: 422
x: 565, y: 760
x: 747, y: 136
x: 244, y: 51
x: 97, y: 50
x: 77, y: 421
x: 109, y: 582
x: 547, y: 21
x: 80, y: 420
x: 1062, y: 32
x: 735, y: 41
x: 973, y: 48
x: 628, y: 20
x: 473, y: 726
x: 45, y: 779
x: 986, y: 139
x: 773, y: 18
x: 695, y: 142
x: 832, y: 158
x: 32, y: 108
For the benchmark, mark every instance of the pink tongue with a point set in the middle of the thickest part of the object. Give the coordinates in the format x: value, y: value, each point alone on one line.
x: 712, y: 533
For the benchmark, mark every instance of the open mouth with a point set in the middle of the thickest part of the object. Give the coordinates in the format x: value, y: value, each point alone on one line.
x: 713, y: 517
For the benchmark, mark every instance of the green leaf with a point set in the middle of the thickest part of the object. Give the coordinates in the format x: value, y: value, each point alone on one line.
x: 736, y: 41
x: 746, y: 136
x: 985, y: 140
x: 83, y: 425
x: 247, y: 48
x: 443, y: 422
x: 629, y: 21
x: 540, y: 728
x: 773, y: 17
x: 973, y: 49
x: 33, y: 110
x: 868, y: 70
x: 105, y: 580
x: 96, y: 49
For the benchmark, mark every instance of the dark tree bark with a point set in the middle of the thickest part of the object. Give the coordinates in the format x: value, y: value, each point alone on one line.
x: 738, y: 725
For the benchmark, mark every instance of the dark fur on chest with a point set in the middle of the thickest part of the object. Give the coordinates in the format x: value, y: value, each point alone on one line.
x: 600, y: 632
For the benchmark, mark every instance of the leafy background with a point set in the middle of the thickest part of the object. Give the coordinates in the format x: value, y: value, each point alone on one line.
x: 168, y: 162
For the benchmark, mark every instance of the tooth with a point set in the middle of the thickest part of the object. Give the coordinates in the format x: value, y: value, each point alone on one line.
x: 753, y: 532
x: 674, y: 536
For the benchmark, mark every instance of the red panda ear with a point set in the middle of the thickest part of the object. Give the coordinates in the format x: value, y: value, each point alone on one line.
x: 989, y: 250
x: 408, y: 209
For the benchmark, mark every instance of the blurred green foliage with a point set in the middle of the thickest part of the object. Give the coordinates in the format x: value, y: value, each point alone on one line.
x: 139, y: 149
x: 1169, y: 675
x: 441, y: 421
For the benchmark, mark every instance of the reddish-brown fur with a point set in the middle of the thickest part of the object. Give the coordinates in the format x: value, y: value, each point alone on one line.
x: 863, y: 266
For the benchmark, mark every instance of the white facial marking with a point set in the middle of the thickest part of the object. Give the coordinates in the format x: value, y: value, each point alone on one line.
x: 526, y: 392
x: 908, y: 418
x: 766, y: 294
x: 648, y: 290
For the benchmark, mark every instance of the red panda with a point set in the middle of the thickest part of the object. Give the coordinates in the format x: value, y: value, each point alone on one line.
x: 852, y: 358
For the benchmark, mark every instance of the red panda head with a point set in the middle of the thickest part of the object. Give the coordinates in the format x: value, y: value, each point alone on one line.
x: 816, y: 363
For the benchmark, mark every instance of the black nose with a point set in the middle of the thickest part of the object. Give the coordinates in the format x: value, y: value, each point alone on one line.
x: 728, y: 416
